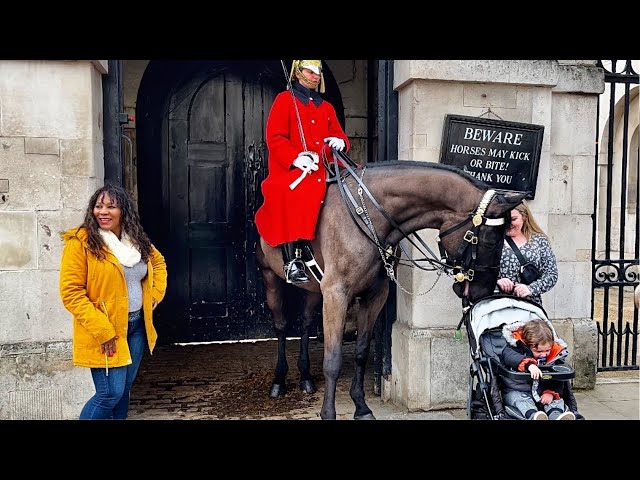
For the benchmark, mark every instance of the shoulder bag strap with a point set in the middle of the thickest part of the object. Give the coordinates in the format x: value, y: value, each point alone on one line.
x: 516, y: 250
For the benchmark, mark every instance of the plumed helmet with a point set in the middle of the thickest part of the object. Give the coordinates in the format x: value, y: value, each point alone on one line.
x: 314, y: 65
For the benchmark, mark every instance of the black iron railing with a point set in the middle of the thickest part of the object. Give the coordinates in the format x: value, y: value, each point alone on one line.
x: 615, y: 255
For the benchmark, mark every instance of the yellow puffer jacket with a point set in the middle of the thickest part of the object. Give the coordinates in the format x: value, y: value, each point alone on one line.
x: 95, y: 292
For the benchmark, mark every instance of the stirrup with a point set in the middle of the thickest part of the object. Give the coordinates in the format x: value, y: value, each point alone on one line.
x: 294, y: 274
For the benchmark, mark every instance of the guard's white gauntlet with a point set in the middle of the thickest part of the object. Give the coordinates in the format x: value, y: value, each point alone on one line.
x: 307, y: 161
x: 335, y: 142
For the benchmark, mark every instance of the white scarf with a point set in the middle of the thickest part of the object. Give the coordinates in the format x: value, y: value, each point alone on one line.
x: 126, y: 253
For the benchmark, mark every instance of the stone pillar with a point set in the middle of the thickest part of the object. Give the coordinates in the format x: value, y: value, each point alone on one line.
x: 51, y: 161
x: 430, y: 363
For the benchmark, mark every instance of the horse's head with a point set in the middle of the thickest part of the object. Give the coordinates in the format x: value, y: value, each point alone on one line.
x: 474, y: 245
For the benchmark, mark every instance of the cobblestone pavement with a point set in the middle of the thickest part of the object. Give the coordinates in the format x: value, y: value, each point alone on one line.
x: 232, y: 381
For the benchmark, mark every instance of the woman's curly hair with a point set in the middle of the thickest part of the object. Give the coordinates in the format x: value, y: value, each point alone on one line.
x: 129, y: 222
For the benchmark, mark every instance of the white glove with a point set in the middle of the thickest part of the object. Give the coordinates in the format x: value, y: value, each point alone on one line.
x: 335, y: 142
x: 305, y: 162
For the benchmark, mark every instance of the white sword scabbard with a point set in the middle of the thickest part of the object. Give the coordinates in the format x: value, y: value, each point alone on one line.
x: 297, y: 181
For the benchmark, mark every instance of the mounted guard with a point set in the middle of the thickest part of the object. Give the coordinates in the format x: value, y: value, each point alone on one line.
x: 299, y: 125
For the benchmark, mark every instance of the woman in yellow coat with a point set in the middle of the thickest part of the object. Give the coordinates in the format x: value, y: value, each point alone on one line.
x: 111, y: 279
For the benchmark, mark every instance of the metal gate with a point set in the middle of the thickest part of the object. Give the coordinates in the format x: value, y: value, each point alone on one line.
x: 615, y: 220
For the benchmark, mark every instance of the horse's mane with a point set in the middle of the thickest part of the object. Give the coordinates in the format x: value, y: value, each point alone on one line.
x: 405, y: 164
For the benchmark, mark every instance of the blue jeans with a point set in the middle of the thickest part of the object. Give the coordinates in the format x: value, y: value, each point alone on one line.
x: 111, y: 400
x: 525, y: 403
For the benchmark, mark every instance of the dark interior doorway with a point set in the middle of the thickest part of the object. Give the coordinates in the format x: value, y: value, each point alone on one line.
x: 201, y: 158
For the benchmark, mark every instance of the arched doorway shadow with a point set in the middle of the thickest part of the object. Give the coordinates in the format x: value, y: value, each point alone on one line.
x: 201, y: 158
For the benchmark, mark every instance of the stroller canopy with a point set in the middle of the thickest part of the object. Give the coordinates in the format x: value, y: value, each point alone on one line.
x: 495, y: 311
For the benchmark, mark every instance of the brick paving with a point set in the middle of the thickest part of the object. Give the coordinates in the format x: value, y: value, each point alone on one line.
x: 232, y: 381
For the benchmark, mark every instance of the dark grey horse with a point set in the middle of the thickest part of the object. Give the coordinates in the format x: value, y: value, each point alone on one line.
x: 405, y: 197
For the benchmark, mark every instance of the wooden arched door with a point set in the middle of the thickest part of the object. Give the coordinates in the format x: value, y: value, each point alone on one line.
x: 215, y: 161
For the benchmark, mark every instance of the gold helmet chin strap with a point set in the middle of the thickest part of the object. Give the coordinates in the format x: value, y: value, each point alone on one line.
x: 308, y: 82
x: 314, y: 66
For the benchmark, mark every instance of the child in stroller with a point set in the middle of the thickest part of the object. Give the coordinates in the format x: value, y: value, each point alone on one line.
x: 530, y: 347
x: 485, y: 322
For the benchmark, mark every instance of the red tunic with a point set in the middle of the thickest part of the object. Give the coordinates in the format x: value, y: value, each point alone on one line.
x: 287, y: 215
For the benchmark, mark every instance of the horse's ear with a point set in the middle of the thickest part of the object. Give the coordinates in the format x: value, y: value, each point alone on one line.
x: 516, y: 198
x: 509, y: 200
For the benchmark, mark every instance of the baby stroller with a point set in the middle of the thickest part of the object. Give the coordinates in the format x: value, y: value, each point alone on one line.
x: 484, y: 322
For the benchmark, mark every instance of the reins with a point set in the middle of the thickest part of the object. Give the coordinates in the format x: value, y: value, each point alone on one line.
x: 461, y: 267
x: 363, y: 217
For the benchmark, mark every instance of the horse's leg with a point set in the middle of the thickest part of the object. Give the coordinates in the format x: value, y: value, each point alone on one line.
x: 370, y: 308
x: 311, y: 302
x: 334, y: 311
x: 274, y: 287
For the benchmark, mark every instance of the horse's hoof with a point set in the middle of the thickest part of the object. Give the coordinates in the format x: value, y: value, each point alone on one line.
x: 368, y: 416
x: 308, y: 386
x: 277, y: 390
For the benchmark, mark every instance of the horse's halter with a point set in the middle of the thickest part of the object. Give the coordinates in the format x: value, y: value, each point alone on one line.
x: 463, y: 264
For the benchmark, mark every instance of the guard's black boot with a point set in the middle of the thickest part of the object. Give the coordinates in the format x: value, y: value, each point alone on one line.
x: 293, y: 264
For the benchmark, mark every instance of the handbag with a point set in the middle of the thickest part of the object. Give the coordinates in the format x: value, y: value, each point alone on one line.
x: 529, y: 273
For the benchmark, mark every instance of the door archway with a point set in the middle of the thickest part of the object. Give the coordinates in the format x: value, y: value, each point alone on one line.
x: 201, y: 158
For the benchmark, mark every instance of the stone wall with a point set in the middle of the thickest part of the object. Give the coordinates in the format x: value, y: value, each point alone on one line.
x: 429, y: 365
x: 51, y: 161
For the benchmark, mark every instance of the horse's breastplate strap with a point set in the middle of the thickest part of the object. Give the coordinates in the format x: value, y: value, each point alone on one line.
x: 311, y: 263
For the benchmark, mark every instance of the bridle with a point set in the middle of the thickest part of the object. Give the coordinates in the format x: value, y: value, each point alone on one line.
x: 461, y: 267
x: 464, y: 263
